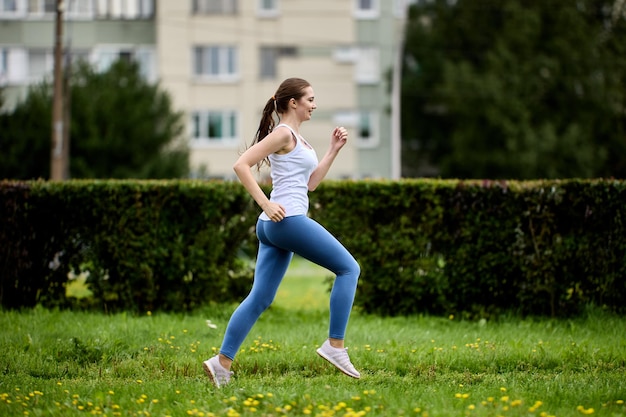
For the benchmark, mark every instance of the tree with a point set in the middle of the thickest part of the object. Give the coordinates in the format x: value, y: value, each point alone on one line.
x: 121, y: 127
x: 25, y: 137
x: 516, y: 88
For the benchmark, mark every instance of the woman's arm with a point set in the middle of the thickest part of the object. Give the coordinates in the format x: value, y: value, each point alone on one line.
x: 274, y: 142
x: 338, y: 138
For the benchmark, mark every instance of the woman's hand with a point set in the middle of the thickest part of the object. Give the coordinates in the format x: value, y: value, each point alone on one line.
x: 274, y: 211
x: 339, y: 137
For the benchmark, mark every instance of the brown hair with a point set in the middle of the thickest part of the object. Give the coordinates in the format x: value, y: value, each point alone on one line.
x: 288, y: 89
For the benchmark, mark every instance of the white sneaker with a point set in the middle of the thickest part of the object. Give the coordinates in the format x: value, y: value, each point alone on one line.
x: 338, y: 357
x: 216, y: 372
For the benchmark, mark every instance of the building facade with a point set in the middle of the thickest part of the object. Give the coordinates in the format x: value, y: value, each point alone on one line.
x: 221, y: 60
x: 99, y: 31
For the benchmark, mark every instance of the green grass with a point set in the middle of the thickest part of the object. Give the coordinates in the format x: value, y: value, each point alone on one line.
x: 78, y: 364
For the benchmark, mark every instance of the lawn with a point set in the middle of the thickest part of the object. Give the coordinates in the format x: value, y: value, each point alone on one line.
x: 78, y: 364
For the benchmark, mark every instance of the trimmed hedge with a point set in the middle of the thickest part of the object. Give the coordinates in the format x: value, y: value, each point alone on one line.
x: 148, y: 245
x: 476, y: 248
x: 482, y: 247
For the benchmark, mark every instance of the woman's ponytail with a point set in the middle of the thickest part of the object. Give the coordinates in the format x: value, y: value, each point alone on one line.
x: 266, y: 125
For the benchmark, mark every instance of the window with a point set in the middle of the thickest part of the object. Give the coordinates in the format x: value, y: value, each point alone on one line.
x: 363, y: 123
x: 13, y: 65
x: 269, y: 59
x: 42, y: 6
x: 124, y: 9
x: 79, y: 8
x: 8, y: 6
x: 214, y: 126
x: 366, y: 62
x: 40, y: 64
x: 103, y: 57
x: 366, y: 128
x: 11, y: 8
x: 215, y: 62
x: 345, y: 54
x: 214, y: 6
x: 367, y: 66
x: 268, y: 8
x: 366, y: 9
x: 4, y: 66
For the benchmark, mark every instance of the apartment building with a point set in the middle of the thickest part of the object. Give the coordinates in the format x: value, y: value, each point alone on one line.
x: 221, y: 60
x: 99, y: 31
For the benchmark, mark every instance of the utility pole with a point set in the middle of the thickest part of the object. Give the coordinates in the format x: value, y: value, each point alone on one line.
x: 57, y: 153
x: 396, y: 102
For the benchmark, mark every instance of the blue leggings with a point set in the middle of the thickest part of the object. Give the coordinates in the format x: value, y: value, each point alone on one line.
x: 277, y: 244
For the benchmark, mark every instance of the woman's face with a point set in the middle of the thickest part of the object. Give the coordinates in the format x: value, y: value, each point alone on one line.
x: 306, y: 104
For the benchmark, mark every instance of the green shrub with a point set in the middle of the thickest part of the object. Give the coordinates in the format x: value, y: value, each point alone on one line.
x: 481, y: 247
x: 475, y: 248
x: 148, y: 245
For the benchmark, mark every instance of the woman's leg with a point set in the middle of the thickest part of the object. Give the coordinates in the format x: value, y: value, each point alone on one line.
x: 309, y: 239
x: 271, y: 265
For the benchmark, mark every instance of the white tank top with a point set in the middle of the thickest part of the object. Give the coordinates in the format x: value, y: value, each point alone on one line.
x: 290, y: 175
